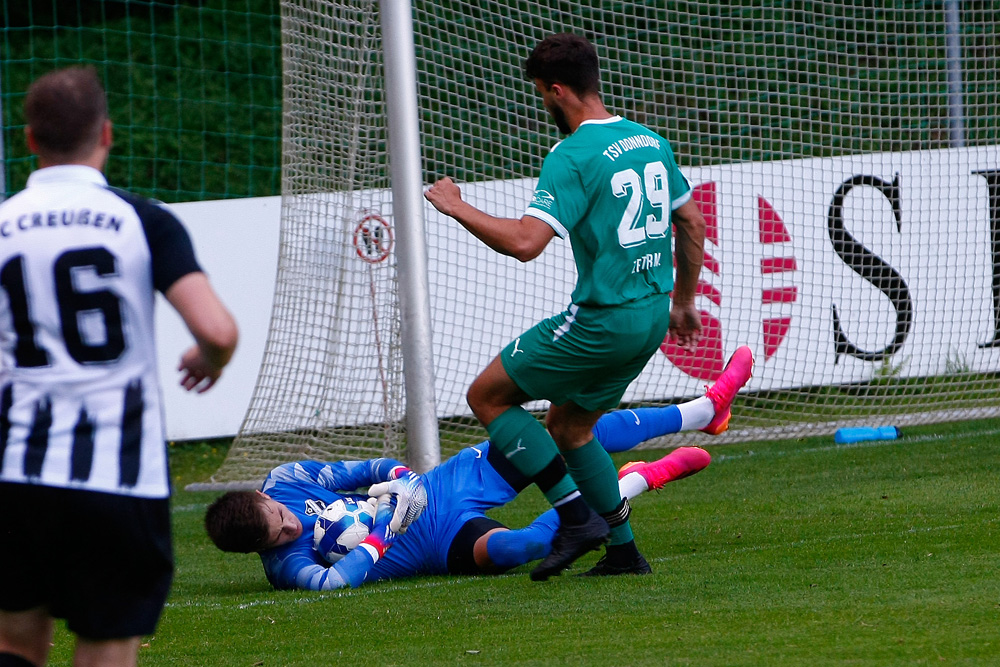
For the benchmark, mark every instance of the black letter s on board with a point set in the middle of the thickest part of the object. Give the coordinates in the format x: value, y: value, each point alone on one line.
x: 871, y: 267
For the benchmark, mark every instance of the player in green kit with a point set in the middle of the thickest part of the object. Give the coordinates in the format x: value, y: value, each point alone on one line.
x: 613, y: 187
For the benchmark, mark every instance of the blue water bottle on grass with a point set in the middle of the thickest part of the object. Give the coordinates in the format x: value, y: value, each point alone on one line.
x: 865, y: 433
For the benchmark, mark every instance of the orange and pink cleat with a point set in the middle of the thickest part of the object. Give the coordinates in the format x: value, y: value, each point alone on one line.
x: 737, y: 372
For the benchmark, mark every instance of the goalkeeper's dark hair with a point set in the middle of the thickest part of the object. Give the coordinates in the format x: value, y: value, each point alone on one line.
x: 567, y: 59
x: 236, y: 522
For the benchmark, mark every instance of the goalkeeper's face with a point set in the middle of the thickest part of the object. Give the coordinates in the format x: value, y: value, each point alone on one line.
x: 282, y: 525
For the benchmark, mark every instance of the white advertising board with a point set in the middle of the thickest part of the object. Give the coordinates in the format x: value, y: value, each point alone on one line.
x: 825, y: 267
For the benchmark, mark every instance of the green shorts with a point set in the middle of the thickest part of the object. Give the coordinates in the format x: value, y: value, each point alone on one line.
x: 588, y: 355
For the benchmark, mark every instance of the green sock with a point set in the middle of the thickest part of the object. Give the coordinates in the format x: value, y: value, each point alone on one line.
x: 595, y: 474
x: 530, y: 449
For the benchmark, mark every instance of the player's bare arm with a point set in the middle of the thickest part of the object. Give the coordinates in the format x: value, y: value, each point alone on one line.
x: 522, y: 239
x: 212, y: 326
x: 685, y: 321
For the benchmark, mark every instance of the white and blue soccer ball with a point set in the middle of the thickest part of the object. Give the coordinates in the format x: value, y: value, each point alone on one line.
x: 342, y: 526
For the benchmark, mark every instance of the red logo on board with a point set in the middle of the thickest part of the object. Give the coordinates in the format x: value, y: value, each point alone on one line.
x: 708, y: 359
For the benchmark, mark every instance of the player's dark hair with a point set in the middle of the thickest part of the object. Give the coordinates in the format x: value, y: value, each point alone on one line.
x: 66, y: 110
x: 567, y: 59
x: 236, y: 522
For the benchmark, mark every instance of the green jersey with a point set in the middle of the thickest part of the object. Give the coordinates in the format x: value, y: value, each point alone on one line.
x: 611, y: 186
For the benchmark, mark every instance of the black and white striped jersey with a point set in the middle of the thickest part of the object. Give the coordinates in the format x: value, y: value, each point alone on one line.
x: 80, y: 402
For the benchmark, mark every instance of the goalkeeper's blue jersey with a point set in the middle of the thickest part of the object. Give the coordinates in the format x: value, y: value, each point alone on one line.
x: 461, y: 488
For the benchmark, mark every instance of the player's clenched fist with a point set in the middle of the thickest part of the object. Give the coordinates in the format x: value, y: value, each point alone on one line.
x: 445, y: 195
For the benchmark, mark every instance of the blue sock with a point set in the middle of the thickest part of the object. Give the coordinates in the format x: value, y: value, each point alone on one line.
x: 510, y: 548
x: 622, y: 430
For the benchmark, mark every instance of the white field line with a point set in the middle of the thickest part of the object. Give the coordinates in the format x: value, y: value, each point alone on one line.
x: 283, y: 600
x: 722, y: 458
x: 407, y: 585
x: 905, y: 440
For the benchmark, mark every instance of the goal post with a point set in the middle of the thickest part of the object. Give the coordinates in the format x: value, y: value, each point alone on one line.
x: 847, y: 166
x: 423, y: 447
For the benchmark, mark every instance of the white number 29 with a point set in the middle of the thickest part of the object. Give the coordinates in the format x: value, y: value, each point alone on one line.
x: 626, y: 183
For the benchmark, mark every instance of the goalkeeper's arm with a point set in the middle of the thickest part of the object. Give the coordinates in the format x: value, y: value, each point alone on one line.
x: 382, y: 475
x: 353, y: 569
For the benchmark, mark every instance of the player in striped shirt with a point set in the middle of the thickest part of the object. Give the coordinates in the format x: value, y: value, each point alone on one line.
x: 83, y: 462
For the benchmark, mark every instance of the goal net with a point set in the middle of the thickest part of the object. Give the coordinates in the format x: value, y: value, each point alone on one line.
x: 845, y: 157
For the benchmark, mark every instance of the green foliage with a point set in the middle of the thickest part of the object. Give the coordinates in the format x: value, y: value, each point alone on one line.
x: 792, y: 553
x: 956, y: 362
x: 196, y: 86
x: 725, y: 82
x: 194, y: 90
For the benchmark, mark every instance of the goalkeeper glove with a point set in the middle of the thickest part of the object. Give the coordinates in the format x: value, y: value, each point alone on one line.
x: 407, y: 487
x: 381, y: 536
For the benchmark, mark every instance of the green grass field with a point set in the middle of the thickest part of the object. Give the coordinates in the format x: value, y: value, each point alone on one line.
x: 780, y: 553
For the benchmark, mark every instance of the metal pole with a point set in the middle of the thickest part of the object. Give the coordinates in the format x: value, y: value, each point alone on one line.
x: 423, y: 445
x: 956, y: 106
x: 3, y: 153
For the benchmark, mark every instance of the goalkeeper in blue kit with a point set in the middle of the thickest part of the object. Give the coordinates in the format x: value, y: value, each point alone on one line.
x: 452, y: 535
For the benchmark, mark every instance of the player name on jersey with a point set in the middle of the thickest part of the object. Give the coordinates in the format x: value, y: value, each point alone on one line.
x: 65, y: 218
x: 622, y: 146
x: 647, y: 261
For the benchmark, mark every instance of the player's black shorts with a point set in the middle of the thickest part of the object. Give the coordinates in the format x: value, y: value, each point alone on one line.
x: 461, y: 556
x: 101, y: 561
